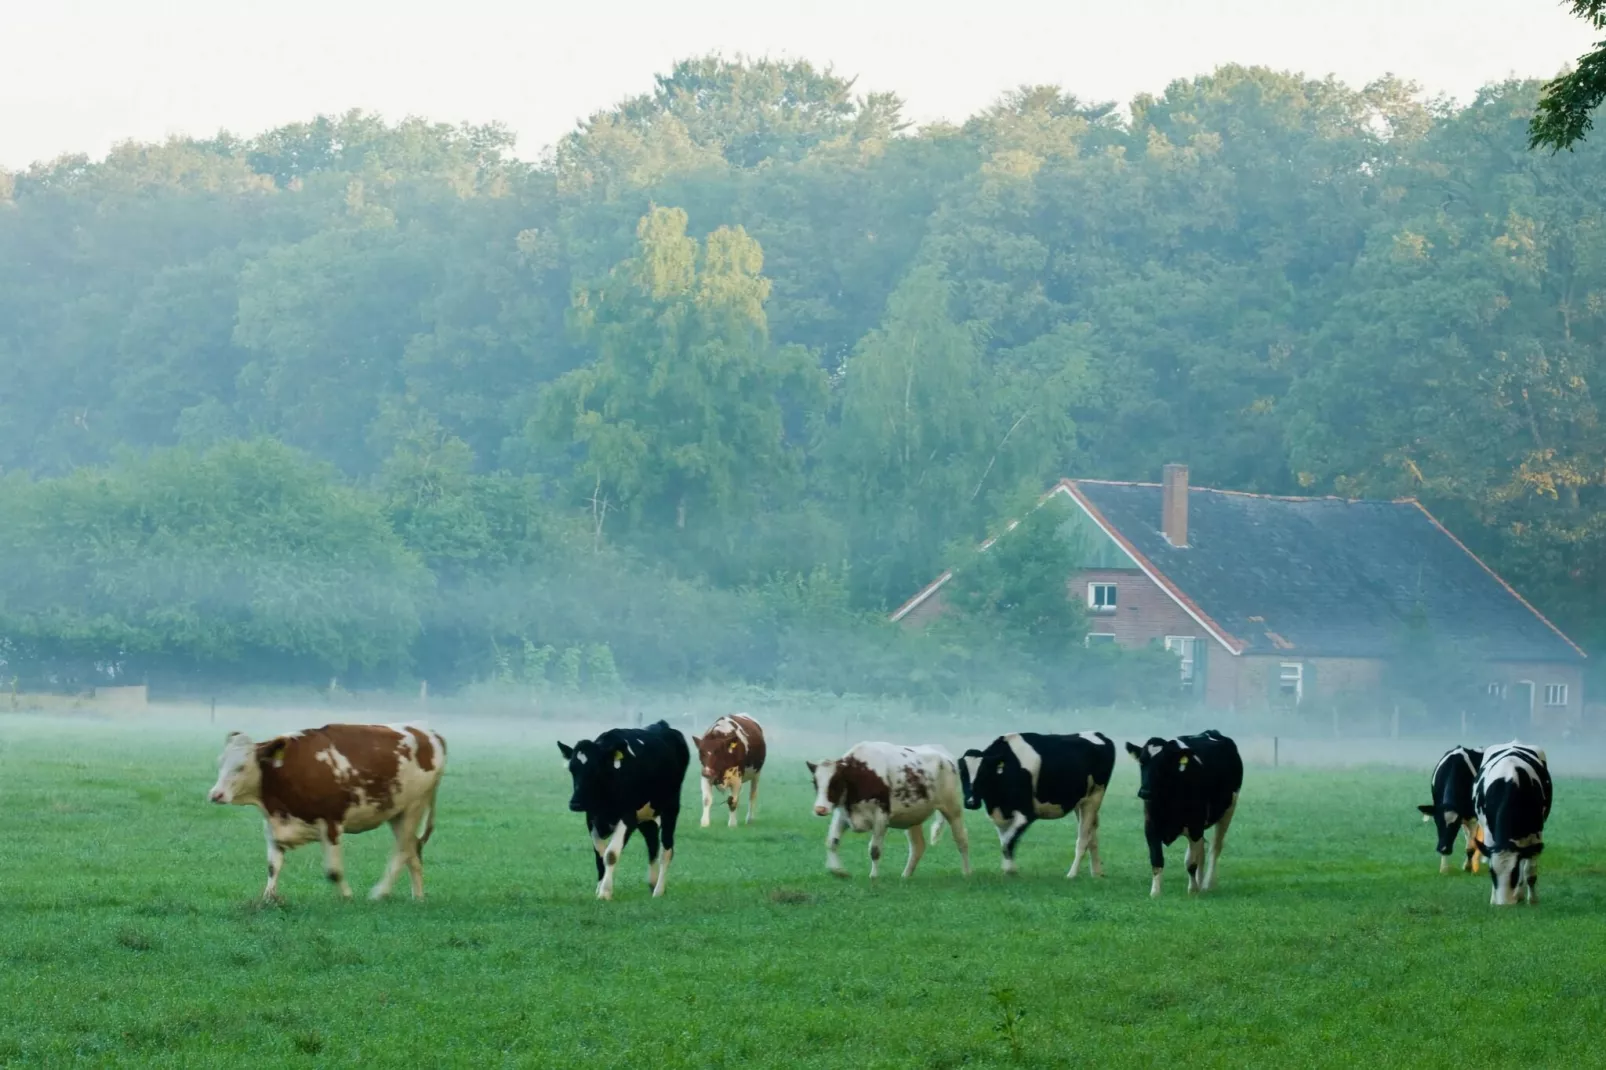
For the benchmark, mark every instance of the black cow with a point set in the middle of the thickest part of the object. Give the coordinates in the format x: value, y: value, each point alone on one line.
x: 625, y: 778
x: 1189, y: 783
x: 1512, y: 800
x: 1024, y: 776
x: 1451, y: 809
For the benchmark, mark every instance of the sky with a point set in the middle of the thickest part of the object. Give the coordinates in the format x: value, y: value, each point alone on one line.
x: 82, y: 75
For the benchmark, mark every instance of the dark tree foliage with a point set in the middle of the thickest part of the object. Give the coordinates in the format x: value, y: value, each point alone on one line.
x: 1566, y: 108
x: 731, y: 372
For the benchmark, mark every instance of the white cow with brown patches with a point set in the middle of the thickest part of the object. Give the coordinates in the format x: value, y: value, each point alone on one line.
x: 879, y: 786
x: 731, y: 754
x: 322, y: 783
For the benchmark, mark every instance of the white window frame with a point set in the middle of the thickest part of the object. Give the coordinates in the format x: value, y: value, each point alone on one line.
x: 1101, y: 636
x: 1496, y: 690
x: 1297, y: 678
x: 1185, y: 647
x: 1092, y: 597
x: 1555, y: 695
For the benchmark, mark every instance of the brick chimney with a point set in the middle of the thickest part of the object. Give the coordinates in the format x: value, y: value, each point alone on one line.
x: 1174, y: 504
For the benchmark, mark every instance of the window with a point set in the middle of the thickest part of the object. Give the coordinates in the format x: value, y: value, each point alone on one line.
x: 1095, y: 638
x: 1291, y: 681
x: 1101, y: 597
x: 1555, y: 694
x: 1497, y: 691
x: 1182, y: 646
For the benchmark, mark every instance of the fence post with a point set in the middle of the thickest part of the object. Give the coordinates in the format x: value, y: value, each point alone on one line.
x: 1396, y: 727
x: 423, y: 692
x: 1463, y: 724
x: 213, y: 718
x: 1274, y: 752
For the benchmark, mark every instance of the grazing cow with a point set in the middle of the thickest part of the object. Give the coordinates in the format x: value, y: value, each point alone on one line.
x: 1512, y: 800
x: 877, y: 786
x: 1188, y: 784
x: 624, y: 779
x: 732, y: 753
x: 322, y: 783
x: 1451, y: 809
x: 1024, y: 776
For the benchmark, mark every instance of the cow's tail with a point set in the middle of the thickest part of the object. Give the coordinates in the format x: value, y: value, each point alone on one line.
x: 937, y: 824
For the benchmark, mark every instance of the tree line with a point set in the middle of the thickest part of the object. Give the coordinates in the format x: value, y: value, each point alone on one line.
x: 746, y: 360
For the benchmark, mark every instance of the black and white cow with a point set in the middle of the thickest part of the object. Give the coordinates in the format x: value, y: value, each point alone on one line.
x: 624, y: 779
x: 1188, y: 784
x: 1511, y: 798
x: 1026, y: 776
x: 1451, y: 809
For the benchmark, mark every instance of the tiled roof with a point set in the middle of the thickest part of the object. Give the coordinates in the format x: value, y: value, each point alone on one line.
x: 1325, y: 576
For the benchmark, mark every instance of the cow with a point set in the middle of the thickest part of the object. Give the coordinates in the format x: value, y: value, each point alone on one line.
x: 624, y: 779
x: 877, y: 786
x: 1189, y: 783
x: 323, y: 783
x: 731, y: 753
x: 1511, y: 798
x: 1026, y: 776
x: 1451, y: 809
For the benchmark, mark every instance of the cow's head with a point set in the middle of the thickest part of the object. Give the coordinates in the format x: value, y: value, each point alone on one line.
x: 239, y: 771
x: 822, y: 773
x: 970, y: 778
x: 592, y: 770
x: 1162, y: 763
x: 1448, y: 823
x: 721, y: 756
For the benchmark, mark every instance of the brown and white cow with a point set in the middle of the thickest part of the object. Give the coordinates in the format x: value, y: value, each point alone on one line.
x: 731, y: 753
x: 322, y: 783
x: 877, y: 786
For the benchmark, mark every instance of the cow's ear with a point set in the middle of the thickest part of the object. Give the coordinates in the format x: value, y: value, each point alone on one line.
x: 565, y: 750
x: 812, y: 767
x: 275, y: 752
x: 1426, y: 810
x: 697, y: 741
x: 1136, y: 752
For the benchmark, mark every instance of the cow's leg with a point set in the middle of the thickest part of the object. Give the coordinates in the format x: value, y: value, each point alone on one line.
x: 649, y: 833
x: 1221, y: 839
x: 1008, y: 836
x: 1195, y: 862
x: 955, y: 817
x: 329, y: 834
x: 1470, y: 825
x: 1156, y: 852
x: 917, y: 847
x: 275, y: 864
x: 404, y: 826
x: 610, y: 859
x: 1095, y: 804
x: 708, y: 800
x: 752, y: 797
x: 1084, y: 830
x: 733, y: 801
x: 833, y: 840
x: 878, y: 839
x: 668, y: 818
x: 1530, y: 876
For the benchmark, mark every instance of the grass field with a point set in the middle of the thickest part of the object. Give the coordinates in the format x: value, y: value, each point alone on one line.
x: 129, y: 932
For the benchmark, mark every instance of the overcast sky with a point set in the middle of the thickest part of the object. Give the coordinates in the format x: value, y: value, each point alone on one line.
x: 80, y: 75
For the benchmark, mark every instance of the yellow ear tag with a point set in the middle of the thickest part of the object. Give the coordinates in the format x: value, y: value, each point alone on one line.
x: 618, y: 755
x: 276, y: 755
x: 1000, y: 767
x: 733, y: 744
x: 1184, y: 763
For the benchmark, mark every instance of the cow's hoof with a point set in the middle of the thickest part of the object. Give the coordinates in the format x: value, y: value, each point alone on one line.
x: 377, y: 894
x: 703, y: 823
x: 841, y: 874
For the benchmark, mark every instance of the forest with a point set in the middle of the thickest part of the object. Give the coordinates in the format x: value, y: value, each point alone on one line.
x: 740, y: 364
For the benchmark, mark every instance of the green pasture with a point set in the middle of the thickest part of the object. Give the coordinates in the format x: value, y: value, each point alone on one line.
x: 130, y: 932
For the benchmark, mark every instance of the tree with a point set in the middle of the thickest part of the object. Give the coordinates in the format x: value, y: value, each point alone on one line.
x: 1565, y: 114
x: 682, y: 414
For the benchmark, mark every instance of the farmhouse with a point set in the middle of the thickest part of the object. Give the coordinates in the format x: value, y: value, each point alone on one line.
x: 1273, y: 601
